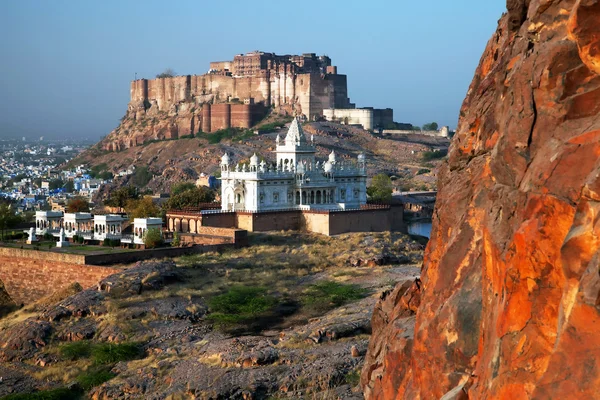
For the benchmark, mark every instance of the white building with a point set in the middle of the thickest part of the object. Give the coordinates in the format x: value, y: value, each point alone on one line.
x: 97, y: 227
x: 108, y: 226
x: 140, y: 227
x: 296, y: 181
x: 78, y: 224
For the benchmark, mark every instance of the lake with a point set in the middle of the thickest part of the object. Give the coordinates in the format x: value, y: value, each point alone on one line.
x: 420, y: 228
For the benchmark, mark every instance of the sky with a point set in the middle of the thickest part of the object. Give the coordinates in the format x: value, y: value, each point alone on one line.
x: 66, y: 65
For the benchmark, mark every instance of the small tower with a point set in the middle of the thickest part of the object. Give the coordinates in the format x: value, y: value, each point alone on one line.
x: 225, y: 162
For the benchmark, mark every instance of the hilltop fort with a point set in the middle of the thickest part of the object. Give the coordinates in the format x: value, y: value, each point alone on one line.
x: 237, y: 94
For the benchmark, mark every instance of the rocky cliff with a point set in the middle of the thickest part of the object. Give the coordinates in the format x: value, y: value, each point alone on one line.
x: 508, y: 303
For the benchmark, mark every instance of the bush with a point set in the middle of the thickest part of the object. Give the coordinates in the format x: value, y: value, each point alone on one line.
x: 75, y: 238
x: 176, y: 240
x: 76, y: 350
x: 433, y: 155
x: 153, y: 238
x: 142, y: 176
x: 80, y: 239
x: 423, y: 171
x: 94, y: 377
x: 240, y: 304
x: 48, y: 236
x: 327, y: 295
x: 108, y: 353
x: 106, y: 242
x: 115, y: 242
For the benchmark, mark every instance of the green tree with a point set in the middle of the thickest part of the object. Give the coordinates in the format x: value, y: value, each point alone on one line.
x: 142, y: 176
x: 78, y: 204
x: 181, y: 187
x: 69, y: 186
x: 55, y: 184
x: 153, y: 238
x: 8, y: 219
x: 142, y: 208
x: 433, y: 126
x: 190, y: 198
x: 121, y: 196
x: 380, y: 189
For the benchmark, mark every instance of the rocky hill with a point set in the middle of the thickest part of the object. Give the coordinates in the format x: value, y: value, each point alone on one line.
x: 287, y: 317
x: 174, y: 160
x: 508, y: 303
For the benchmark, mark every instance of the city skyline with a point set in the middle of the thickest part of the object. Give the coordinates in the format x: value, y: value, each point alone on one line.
x: 69, y: 66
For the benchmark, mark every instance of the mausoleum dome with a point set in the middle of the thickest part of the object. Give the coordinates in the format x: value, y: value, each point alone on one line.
x: 300, y: 168
x: 254, y: 160
x: 361, y: 157
x: 328, y: 167
x: 225, y: 159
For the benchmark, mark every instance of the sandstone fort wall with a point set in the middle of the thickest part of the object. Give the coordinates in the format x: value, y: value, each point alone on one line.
x: 29, y: 275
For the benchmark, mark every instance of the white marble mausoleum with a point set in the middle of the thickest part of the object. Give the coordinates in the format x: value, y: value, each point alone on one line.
x: 296, y: 181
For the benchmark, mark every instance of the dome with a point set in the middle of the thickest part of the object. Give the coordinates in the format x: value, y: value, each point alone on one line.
x: 300, y: 168
x: 328, y: 167
x: 225, y: 159
x: 361, y: 157
x: 332, y: 157
x: 254, y: 160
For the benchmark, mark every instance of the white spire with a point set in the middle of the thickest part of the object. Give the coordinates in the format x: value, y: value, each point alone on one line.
x: 295, y: 135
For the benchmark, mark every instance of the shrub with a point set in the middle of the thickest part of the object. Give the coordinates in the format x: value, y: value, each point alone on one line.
x: 101, y: 353
x: 75, y: 238
x: 240, y: 304
x: 327, y: 295
x: 48, y: 236
x: 108, y: 353
x: 433, y: 155
x: 423, y: 171
x: 106, y: 242
x: 94, y: 377
x: 176, y: 240
x: 153, y: 238
x: 76, y: 350
x: 80, y: 239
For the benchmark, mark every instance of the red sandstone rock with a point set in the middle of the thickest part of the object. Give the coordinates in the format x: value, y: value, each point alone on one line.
x: 509, y: 302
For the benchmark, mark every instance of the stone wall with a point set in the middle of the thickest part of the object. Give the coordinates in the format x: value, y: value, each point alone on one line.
x: 323, y: 222
x: 29, y: 275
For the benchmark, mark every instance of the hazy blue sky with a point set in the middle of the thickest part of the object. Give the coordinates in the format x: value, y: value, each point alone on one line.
x: 66, y: 65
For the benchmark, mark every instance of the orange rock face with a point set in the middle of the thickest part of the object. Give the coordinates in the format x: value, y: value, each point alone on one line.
x: 511, y: 285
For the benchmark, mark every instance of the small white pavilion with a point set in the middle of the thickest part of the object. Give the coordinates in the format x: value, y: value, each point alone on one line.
x: 140, y: 227
x: 108, y: 226
x: 48, y: 221
x: 78, y: 224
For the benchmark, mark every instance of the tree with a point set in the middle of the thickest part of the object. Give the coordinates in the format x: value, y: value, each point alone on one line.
x: 121, y: 196
x: 433, y: 126
x: 55, y: 184
x: 78, y: 204
x: 380, y: 189
x: 142, y: 208
x: 190, y: 198
x: 181, y: 187
x: 153, y: 238
x: 8, y: 219
x: 69, y: 186
x: 167, y: 73
x: 142, y: 176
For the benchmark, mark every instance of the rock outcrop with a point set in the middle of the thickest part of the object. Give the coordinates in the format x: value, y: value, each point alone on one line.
x: 510, y: 292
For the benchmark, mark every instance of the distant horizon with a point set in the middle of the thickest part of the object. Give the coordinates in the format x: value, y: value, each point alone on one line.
x: 69, y: 65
